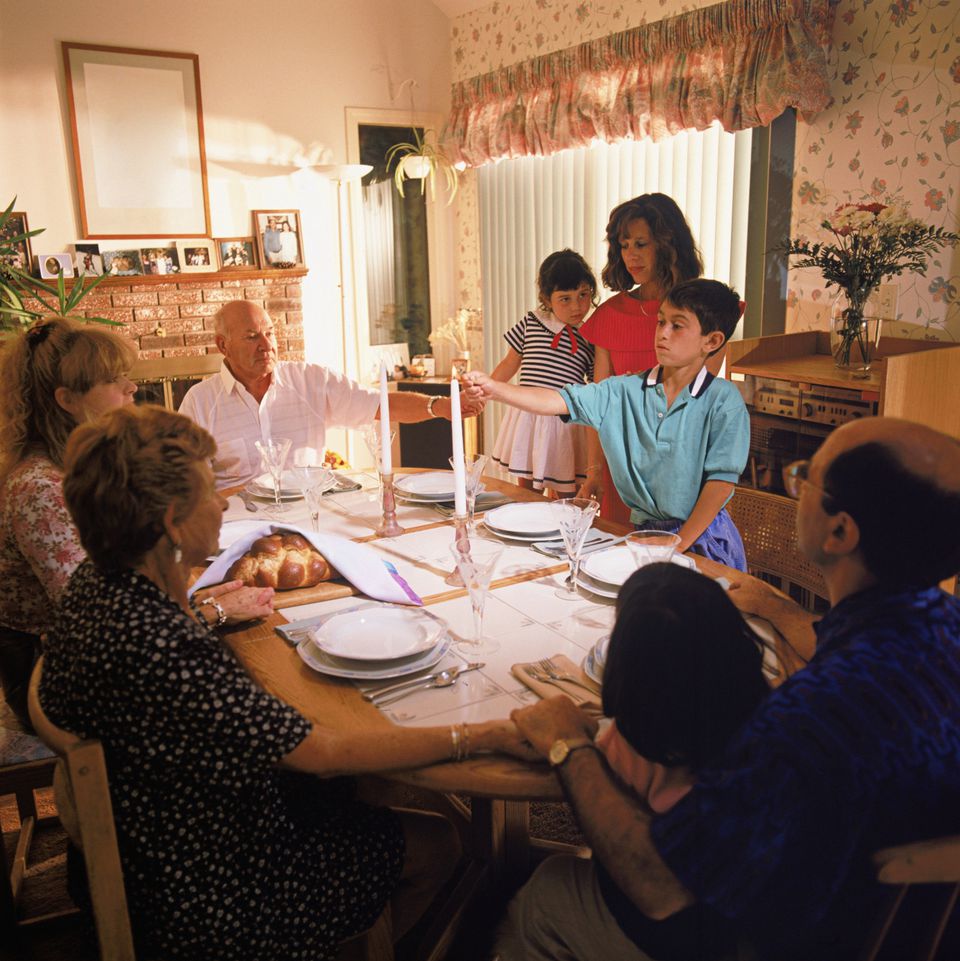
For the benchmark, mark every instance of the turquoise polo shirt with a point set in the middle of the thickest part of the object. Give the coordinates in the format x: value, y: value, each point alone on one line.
x: 660, y: 459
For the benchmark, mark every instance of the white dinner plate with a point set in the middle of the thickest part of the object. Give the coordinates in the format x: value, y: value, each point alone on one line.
x: 428, y: 499
x: 603, y: 589
x: 593, y: 670
x: 519, y: 538
x: 532, y: 520
x: 434, y: 485
x: 325, y: 663
x: 288, y: 484
x: 599, y: 651
x: 610, y: 567
x: 378, y: 633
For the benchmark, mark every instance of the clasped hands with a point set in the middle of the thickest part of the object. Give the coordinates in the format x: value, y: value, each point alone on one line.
x: 550, y: 719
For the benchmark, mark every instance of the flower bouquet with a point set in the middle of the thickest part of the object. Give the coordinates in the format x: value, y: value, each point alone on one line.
x: 872, y: 241
x: 456, y: 332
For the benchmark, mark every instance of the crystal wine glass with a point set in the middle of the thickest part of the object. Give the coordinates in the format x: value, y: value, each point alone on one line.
x: 314, y: 481
x: 273, y: 454
x: 476, y: 560
x: 574, y: 516
x: 371, y: 437
x: 474, y: 465
x: 652, y: 547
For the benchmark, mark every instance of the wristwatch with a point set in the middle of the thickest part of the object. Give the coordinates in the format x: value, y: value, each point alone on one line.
x: 560, y: 750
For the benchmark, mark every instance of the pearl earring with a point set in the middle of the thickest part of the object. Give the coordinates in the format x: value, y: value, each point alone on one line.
x: 177, y: 554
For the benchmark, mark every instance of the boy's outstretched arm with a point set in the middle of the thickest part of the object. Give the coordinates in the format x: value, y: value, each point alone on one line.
x: 535, y: 400
x: 712, y: 498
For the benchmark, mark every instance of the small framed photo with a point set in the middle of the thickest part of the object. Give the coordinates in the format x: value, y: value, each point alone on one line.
x: 196, y: 255
x: 21, y: 257
x: 122, y: 263
x: 51, y: 266
x: 236, y: 252
x: 160, y: 259
x: 279, y: 238
x: 87, y: 259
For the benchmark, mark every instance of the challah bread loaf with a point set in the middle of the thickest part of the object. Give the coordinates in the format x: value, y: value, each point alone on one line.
x: 283, y: 562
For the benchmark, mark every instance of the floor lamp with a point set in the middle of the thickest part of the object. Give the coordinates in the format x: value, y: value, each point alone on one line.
x: 344, y: 174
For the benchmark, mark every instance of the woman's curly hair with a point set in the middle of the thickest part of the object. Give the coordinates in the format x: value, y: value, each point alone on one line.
x: 54, y: 352
x: 678, y: 258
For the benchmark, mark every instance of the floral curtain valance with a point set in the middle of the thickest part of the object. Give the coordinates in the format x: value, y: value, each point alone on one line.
x: 742, y: 63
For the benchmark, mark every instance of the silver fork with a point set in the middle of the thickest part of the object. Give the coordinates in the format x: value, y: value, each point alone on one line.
x: 550, y: 669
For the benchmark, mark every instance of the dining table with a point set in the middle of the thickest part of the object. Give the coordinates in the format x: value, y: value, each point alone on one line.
x: 524, y: 614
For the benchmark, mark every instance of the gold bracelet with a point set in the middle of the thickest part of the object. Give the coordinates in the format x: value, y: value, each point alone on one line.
x: 454, y: 742
x: 465, y: 738
x: 430, y: 404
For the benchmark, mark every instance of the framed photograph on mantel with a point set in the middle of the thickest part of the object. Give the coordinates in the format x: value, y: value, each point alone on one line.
x: 236, y: 253
x: 197, y: 256
x: 137, y: 126
x: 279, y: 238
x: 20, y: 256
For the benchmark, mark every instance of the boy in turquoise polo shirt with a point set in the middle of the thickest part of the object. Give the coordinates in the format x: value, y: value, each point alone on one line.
x: 676, y: 437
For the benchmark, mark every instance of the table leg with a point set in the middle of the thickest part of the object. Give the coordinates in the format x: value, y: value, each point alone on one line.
x: 501, y: 836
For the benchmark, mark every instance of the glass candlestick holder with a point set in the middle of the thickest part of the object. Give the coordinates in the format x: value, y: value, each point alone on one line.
x: 388, y: 522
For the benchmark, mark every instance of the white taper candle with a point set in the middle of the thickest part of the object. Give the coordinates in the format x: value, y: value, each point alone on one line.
x: 386, y: 461
x: 456, y: 431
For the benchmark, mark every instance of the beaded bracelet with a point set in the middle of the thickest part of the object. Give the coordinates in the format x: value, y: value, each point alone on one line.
x: 221, y: 613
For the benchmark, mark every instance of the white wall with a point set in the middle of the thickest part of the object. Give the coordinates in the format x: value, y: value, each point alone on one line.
x: 275, y: 78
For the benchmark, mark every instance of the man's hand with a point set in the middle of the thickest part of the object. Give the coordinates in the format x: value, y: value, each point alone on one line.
x: 471, y: 403
x: 556, y: 717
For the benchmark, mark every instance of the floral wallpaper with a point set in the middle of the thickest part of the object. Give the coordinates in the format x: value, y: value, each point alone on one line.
x: 894, y: 129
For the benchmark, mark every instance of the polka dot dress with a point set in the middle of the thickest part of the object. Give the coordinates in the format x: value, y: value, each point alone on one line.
x: 225, y: 856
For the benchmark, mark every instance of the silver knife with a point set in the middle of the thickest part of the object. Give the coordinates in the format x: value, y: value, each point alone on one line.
x: 374, y: 696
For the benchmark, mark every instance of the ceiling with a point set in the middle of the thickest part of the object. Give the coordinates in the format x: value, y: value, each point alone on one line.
x: 453, y: 8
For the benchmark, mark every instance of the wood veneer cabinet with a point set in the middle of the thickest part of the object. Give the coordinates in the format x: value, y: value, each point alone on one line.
x: 916, y: 380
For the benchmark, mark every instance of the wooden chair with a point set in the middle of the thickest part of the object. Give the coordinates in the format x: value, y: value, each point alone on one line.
x: 767, y: 524
x: 927, y: 863
x: 83, y: 800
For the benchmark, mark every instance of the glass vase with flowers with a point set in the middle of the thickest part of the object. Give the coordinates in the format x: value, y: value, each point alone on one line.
x: 871, y: 243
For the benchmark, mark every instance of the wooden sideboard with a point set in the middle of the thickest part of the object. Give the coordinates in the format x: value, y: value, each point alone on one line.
x: 796, y: 395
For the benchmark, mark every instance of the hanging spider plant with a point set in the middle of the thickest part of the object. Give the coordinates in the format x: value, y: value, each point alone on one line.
x: 422, y: 160
x: 17, y: 286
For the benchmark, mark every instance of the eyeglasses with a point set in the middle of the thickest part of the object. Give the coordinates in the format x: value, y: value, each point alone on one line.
x: 795, y: 475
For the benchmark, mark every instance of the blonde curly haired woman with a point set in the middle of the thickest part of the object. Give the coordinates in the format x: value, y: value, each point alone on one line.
x: 59, y: 374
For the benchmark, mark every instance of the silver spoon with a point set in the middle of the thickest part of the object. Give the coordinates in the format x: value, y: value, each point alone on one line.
x: 248, y: 501
x: 443, y: 679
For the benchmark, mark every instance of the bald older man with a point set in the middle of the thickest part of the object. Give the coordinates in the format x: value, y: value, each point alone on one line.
x: 256, y: 396
x: 857, y: 751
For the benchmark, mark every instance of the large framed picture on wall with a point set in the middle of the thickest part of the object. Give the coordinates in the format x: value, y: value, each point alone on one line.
x: 137, y: 127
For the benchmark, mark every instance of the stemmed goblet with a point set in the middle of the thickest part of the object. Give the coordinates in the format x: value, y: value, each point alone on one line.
x: 273, y: 455
x: 574, y: 517
x: 476, y: 560
x: 371, y: 437
x: 314, y: 481
x: 474, y: 465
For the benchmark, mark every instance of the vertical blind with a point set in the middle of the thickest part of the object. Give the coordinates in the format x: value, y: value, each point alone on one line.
x: 531, y: 206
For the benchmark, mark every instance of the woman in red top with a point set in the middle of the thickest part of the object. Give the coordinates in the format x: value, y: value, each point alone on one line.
x: 649, y: 249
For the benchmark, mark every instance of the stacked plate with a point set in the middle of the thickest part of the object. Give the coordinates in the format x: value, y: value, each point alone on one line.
x: 262, y: 486
x: 375, y: 642
x: 603, y: 572
x: 431, y: 487
x: 522, y: 522
x: 596, y: 658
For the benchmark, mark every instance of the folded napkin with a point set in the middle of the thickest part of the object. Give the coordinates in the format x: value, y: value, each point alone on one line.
x: 358, y: 563
x: 486, y: 500
x: 563, y: 665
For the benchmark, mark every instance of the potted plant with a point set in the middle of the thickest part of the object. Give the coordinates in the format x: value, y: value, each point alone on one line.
x: 18, y: 288
x: 872, y: 241
x: 422, y: 160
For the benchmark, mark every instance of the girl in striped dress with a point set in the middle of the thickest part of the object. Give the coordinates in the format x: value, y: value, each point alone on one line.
x: 549, y: 351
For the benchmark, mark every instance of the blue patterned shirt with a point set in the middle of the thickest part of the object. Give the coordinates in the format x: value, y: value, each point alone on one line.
x: 858, y: 751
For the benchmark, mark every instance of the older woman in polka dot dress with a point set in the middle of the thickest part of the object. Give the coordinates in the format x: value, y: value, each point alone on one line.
x: 230, y: 849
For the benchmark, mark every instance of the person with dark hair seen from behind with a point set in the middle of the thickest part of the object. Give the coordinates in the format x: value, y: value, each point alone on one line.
x: 239, y: 839
x: 858, y: 751
x: 649, y: 250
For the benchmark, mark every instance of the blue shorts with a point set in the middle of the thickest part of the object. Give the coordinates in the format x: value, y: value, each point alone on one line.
x: 721, y: 541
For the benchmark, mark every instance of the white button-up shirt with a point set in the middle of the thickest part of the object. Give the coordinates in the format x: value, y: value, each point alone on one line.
x: 301, y: 402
